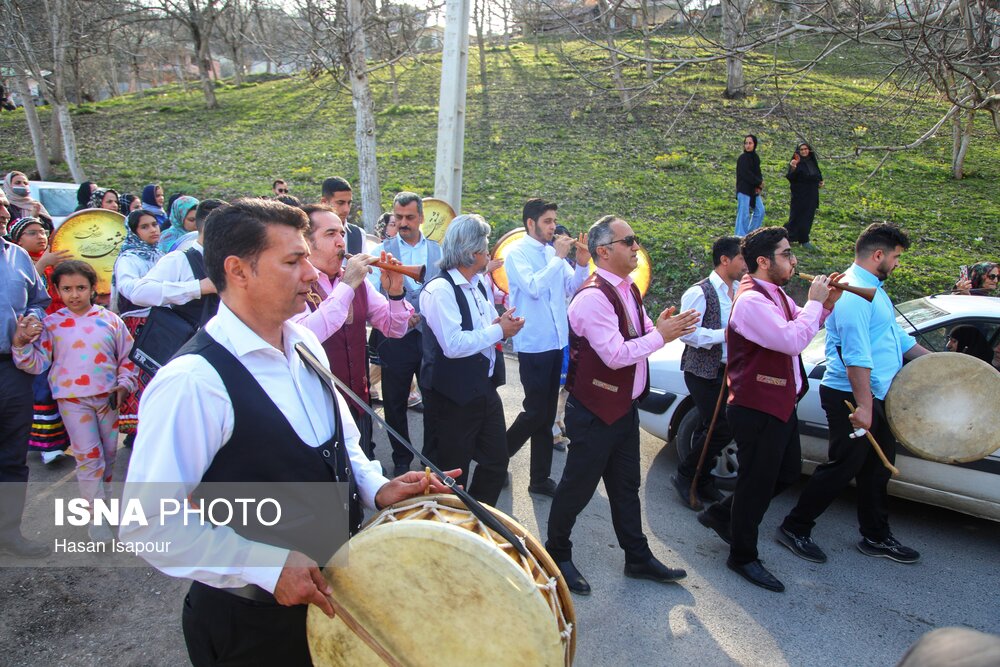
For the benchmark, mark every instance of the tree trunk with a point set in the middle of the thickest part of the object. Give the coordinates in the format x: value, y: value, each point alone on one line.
x: 393, y: 81
x: 616, y: 66
x: 364, y: 110
x: 69, y: 142
x: 732, y: 30
x: 203, y: 55
x: 647, y: 48
x: 34, y: 127
x: 55, y: 136
x: 477, y: 18
x: 961, y: 138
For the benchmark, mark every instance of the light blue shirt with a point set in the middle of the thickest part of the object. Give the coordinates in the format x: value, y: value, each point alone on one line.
x: 22, y: 291
x: 540, y: 284
x: 867, y: 334
x: 409, y: 255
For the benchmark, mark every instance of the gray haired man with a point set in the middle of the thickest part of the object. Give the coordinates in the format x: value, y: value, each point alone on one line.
x: 462, y: 366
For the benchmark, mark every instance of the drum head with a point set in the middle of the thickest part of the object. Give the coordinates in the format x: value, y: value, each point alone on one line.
x: 946, y: 407
x: 433, y: 594
x: 438, y: 214
x: 95, y: 236
x: 641, y: 276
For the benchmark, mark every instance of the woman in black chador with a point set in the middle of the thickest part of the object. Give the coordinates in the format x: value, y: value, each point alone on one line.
x: 805, y: 180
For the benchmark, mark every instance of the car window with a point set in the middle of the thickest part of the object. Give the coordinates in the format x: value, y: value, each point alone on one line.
x: 815, y: 352
x: 916, y: 312
x: 980, y: 337
x: 59, y: 202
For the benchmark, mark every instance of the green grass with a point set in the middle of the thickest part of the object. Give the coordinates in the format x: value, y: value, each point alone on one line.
x: 671, y: 175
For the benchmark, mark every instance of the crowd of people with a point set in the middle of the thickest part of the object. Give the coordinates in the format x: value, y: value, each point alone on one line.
x: 270, y: 287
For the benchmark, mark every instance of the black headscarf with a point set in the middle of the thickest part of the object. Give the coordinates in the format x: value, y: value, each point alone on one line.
x: 83, y: 195
x: 748, y: 175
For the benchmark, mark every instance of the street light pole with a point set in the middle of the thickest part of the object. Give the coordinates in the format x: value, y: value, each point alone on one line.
x: 451, y: 104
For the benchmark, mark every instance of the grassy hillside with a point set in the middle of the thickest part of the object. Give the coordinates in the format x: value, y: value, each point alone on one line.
x: 668, y: 168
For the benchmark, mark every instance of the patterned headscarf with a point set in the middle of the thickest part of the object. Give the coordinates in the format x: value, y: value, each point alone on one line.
x: 182, y: 206
x: 98, y: 197
x: 22, y: 202
x: 979, y: 271
x: 125, y: 202
x: 16, y: 228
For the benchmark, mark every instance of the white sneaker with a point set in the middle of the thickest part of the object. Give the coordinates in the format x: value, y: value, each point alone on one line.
x: 52, y: 457
x: 100, y: 533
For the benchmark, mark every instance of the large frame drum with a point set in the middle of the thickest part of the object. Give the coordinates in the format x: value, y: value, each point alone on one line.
x: 95, y: 236
x: 436, y: 587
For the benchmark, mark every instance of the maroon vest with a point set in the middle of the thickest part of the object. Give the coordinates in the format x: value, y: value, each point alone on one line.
x: 347, y: 347
x: 607, y: 392
x: 759, y: 378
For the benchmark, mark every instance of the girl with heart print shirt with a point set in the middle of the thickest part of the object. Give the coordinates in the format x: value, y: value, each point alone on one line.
x: 87, y: 348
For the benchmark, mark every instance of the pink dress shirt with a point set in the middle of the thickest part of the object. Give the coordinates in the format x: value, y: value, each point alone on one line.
x: 388, y: 316
x: 593, y: 317
x: 761, y: 321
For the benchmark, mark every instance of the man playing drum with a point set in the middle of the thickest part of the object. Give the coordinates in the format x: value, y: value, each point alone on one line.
x: 865, y: 348
x: 239, y: 404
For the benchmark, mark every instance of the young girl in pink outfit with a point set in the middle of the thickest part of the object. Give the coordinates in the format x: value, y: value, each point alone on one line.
x: 87, y: 347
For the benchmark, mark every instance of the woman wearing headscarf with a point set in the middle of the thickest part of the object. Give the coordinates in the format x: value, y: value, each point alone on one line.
x: 48, y: 434
x: 182, y: 215
x: 749, y: 185
x: 104, y: 199
x: 18, y: 191
x: 128, y: 202
x: 83, y: 194
x: 805, y: 180
x: 139, y: 253
x: 152, y: 201
x: 967, y: 339
x: 982, y: 280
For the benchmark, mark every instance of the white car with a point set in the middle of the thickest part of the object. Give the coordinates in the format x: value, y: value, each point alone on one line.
x: 973, y: 488
x: 59, y: 199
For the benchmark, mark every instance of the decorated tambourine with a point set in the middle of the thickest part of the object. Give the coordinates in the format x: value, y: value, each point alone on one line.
x: 438, y: 214
x: 641, y: 276
x: 94, y: 236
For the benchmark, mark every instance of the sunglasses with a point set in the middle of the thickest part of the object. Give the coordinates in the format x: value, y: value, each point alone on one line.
x: 282, y: 191
x: 993, y: 276
x: 628, y: 241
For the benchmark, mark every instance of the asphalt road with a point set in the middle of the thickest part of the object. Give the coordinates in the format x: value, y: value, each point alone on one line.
x: 853, y: 610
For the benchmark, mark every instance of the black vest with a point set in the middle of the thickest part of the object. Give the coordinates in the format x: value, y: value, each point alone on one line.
x: 466, y: 378
x: 264, y: 448
x: 355, y: 239
x: 200, y: 310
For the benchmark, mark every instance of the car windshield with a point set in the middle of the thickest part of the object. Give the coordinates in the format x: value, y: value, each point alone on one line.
x: 59, y: 202
x: 914, y: 313
x: 815, y: 352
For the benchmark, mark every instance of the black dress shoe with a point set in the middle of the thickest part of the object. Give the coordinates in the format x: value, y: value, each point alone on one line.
x: 654, y: 570
x: 683, y: 486
x: 546, y: 488
x: 757, y: 574
x: 573, y: 578
x: 708, y: 492
x: 721, y: 528
x: 22, y: 547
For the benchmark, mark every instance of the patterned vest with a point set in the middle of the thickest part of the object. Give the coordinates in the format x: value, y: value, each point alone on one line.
x: 347, y: 348
x: 705, y: 362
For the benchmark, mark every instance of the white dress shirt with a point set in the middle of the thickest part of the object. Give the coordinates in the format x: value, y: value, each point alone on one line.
x: 540, y: 283
x: 187, y: 417
x: 129, y: 270
x: 440, y: 311
x: 694, y: 297
x: 170, y: 282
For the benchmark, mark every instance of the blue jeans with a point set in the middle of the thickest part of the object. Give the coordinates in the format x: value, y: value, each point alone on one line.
x: 744, y: 223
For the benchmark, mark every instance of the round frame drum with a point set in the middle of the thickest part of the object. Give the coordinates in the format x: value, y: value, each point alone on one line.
x: 945, y: 407
x: 438, y: 214
x: 642, y: 275
x: 436, y: 587
x: 95, y: 236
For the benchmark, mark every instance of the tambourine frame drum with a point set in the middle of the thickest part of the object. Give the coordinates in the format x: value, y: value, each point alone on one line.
x: 436, y: 587
x: 945, y: 407
x: 93, y: 235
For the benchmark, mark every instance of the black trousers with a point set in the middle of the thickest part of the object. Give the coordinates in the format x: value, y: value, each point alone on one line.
x: 221, y: 629
x: 400, y: 363
x: 849, y: 459
x: 705, y: 394
x: 540, y: 378
x: 770, y: 458
x: 470, y: 432
x: 599, y: 451
x: 801, y: 214
x: 16, y: 411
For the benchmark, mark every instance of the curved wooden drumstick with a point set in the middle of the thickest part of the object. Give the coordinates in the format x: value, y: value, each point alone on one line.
x: 362, y: 633
x: 878, y: 450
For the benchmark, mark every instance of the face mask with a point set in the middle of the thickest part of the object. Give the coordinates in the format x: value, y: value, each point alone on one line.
x: 21, y: 190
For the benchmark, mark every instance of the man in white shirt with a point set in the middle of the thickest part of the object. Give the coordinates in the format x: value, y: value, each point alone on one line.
x: 462, y: 366
x: 541, y: 281
x: 704, y: 364
x: 241, y: 404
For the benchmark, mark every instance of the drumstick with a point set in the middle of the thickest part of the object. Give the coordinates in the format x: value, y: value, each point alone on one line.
x: 878, y: 450
x: 363, y: 634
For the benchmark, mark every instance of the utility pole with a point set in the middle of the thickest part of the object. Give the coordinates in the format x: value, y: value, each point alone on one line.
x: 451, y: 105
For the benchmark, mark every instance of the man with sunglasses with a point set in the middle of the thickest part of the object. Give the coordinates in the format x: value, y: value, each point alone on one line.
x: 610, y: 337
x: 865, y: 348
x: 766, y: 334
x: 279, y: 188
